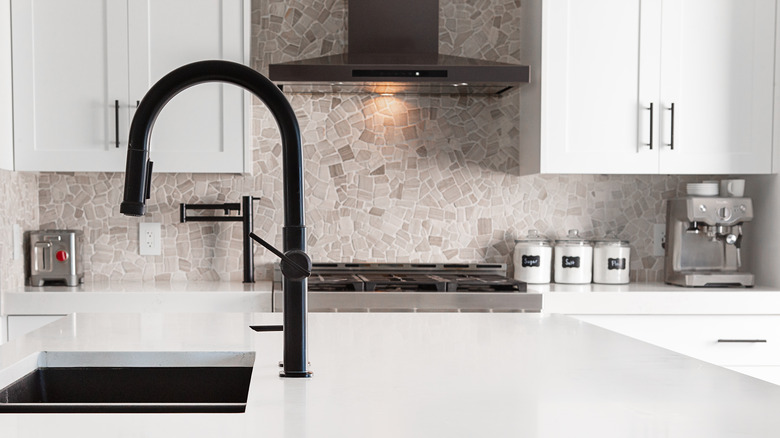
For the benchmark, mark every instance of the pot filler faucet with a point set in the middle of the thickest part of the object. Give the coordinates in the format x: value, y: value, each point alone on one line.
x: 295, y: 265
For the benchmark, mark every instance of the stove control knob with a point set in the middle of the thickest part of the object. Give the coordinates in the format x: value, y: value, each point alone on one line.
x: 61, y: 256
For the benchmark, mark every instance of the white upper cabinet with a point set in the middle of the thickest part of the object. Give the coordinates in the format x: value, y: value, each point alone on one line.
x: 718, y: 59
x: 6, y: 90
x: 603, y: 64
x: 81, y: 66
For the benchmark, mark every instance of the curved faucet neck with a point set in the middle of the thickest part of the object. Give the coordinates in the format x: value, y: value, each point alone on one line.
x: 138, y: 176
x: 214, y: 71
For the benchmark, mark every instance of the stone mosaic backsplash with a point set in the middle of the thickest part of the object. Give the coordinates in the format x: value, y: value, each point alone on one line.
x: 430, y: 214
x: 404, y: 178
x: 18, y: 205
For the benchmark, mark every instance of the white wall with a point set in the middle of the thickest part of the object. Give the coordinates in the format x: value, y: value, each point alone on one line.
x: 6, y: 103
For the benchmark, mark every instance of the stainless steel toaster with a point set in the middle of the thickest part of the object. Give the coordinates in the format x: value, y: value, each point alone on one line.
x: 56, y: 256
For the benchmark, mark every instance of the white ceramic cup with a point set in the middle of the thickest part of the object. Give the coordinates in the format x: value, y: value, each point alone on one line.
x: 732, y: 188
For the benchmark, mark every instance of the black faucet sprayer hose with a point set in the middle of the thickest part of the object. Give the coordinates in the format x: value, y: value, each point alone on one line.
x: 138, y: 178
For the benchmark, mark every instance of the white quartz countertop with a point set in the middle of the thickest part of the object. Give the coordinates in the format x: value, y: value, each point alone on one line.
x: 421, y: 375
x: 203, y: 296
x: 633, y: 298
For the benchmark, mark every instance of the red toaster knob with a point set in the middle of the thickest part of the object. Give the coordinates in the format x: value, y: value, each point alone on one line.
x: 62, y: 256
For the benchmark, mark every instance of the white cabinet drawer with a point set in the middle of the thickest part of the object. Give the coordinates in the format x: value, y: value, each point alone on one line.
x: 769, y: 374
x: 19, y: 325
x: 728, y: 340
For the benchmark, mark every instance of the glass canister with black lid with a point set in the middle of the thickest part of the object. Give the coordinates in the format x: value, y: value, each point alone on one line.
x: 533, y: 258
x: 611, y: 260
x: 573, y: 263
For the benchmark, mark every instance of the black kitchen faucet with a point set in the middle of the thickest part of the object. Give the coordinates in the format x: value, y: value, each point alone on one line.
x: 245, y: 217
x: 295, y: 265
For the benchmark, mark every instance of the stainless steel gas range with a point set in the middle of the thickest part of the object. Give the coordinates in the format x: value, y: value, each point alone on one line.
x: 413, y: 287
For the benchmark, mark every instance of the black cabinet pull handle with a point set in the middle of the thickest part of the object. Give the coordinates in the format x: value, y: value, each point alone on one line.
x: 651, y: 126
x: 671, y: 136
x: 116, y: 121
x: 742, y: 341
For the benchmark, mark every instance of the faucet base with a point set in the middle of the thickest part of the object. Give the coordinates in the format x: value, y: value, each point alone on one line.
x: 295, y: 373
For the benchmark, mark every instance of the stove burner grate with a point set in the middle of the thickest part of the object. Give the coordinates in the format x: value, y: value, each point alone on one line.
x: 404, y: 282
x: 334, y: 281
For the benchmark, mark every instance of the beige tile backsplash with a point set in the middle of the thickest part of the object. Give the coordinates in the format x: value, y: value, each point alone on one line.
x: 404, y: 178
x: 18, y: 205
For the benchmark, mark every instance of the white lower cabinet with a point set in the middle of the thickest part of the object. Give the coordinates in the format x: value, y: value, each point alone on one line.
x: 19, y: 325
x: 768, y: 373
x: 749, y: 344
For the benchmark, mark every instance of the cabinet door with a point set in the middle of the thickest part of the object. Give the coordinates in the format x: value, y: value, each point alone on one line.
x: 717, y: 69
x: 69, y: 69
x: 19, y: 325
x: 203, y: 128
x: 6, y: 90
x: 726, y: 340
x: 595, y: 116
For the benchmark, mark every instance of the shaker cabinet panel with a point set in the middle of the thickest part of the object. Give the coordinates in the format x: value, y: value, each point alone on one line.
x: 204, y: 123
x: 80, y: 67
x: 648, y: 87
x: 591, y: 79
x: 718, y: 71
x: 6, y: 90
x: 68, y: 71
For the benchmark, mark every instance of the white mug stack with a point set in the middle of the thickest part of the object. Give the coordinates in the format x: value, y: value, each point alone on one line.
x: 727, y: 188
x: 732, y: 188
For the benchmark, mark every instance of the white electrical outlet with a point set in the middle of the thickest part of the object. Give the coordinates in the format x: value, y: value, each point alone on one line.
x: 149, y: 236
x: 659, y: 239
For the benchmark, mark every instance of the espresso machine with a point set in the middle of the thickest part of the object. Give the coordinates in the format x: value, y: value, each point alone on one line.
x: 703, y: 241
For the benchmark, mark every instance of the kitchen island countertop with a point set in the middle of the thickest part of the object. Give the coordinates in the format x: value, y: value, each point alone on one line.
x: 633, y: 298
x: 421, y: 375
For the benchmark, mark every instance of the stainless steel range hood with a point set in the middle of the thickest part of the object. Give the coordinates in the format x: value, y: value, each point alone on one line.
x: 393, y: 49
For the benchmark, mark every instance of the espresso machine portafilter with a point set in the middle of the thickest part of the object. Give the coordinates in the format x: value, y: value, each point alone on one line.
x: 704, y: 241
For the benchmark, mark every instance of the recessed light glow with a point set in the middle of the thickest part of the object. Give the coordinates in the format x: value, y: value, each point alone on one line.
x: 385, y: 94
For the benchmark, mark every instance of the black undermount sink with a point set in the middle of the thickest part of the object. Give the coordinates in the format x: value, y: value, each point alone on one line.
x: 131, y: 382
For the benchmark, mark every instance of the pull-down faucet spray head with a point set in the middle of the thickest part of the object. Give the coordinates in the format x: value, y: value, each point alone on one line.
x: 139, y: 172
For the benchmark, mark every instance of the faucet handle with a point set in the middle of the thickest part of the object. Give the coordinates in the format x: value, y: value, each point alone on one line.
x: 296, y: 265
